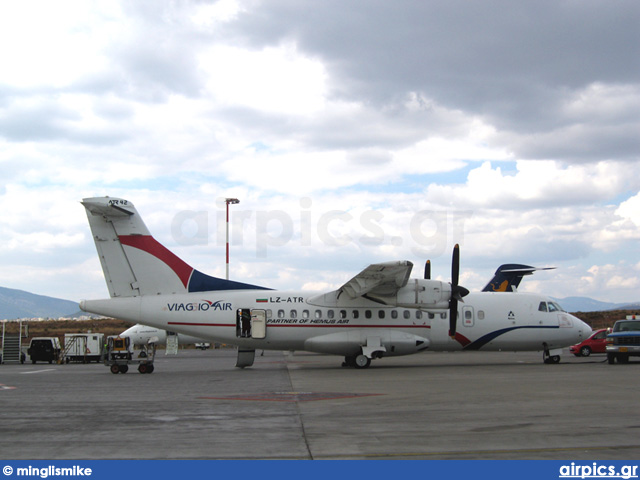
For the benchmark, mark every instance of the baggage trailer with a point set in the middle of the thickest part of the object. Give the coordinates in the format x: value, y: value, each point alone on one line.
x: 120, y: 355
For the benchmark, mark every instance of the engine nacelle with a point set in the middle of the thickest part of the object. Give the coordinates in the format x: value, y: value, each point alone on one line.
x: 426, y: 294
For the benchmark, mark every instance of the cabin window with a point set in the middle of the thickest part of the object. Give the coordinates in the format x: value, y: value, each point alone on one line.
x: 269, y: 313
x: 305, y: 314
x: 367, y: 313
x: 318, y: 314
x: 394, y: 314
x: 543, y: 307
x: 480, y: 314
x: 418, y: 314
x: 343, y: 314
x: 406, y: 314
x: 330, y: 314
x: 468, y: 314
x: 431, y: 316
x: 280, y: 313
x: 294, y: 314
x: 356, y: 313
x: 381, y: 314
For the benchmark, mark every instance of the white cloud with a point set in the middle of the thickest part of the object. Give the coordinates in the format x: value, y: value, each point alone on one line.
x: 45, y: 44
x: 278, y: 80
x: 630, y: 209
x: 536, y: 183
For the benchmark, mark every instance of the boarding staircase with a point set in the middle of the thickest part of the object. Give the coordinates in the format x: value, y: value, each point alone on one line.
x: 12, y: 344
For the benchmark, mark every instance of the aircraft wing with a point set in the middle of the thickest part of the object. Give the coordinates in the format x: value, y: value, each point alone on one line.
x: 383, y: 279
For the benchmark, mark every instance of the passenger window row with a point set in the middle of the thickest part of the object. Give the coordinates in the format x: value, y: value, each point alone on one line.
x: 354, y: 313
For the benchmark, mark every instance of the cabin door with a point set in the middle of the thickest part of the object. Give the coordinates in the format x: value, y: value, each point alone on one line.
x: 251, y: 323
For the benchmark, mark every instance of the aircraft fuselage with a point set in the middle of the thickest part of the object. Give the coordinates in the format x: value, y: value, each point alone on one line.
x: 282, y: 320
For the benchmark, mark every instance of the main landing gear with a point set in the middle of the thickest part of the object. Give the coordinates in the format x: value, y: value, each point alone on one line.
x: 357, y: 361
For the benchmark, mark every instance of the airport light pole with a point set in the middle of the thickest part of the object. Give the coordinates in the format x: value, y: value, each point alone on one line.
x: 229, y: 201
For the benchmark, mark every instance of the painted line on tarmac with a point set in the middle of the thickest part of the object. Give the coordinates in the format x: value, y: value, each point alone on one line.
x: 39, y: 371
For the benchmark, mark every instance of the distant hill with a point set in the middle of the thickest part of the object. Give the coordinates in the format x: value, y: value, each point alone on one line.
x: 20, y: 304
x: 603, y: 319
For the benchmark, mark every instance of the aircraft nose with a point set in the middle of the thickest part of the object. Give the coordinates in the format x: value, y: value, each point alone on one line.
x: 582, y: 329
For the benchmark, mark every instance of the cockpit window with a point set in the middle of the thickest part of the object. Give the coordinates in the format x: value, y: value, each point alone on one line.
x: 550, y: 307
x: 554, y: 307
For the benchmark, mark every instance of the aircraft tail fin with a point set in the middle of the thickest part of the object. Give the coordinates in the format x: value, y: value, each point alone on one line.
x: 508, y: 277
x: 134, y: 263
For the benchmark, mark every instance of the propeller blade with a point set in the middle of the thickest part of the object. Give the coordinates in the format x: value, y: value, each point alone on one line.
x: 455, y: 265
x: 457, y: 292
x: 427, y: 270
x: 453, y: 317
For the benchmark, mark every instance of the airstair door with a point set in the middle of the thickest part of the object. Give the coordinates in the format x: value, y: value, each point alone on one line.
x: 258, y: 324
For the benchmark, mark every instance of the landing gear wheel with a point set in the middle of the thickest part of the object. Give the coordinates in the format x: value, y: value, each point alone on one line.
x: 115, y: 369
x: 362, y: 361
x: 124, y: 368
x: 585, y: 351
x: 547, y: 357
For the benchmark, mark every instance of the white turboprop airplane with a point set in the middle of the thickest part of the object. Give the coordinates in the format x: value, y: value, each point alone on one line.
x: 378, y: 313
x: 506, y: 279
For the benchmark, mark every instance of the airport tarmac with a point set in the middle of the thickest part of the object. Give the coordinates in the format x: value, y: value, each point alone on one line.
x: 197, y: 405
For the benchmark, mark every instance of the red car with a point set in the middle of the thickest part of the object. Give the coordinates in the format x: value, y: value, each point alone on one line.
x: 596, y: 343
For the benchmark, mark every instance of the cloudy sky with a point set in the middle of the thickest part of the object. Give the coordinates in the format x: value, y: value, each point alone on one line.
x: 352, y: 132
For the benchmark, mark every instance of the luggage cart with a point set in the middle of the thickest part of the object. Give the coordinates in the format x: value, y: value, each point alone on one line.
x: 119, y: 354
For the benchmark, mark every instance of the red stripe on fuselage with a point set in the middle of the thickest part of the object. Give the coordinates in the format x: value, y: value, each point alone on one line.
x: 188, y: 324
x: 272, y: 325
x: 148, y: 244
x: 462, y: 340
